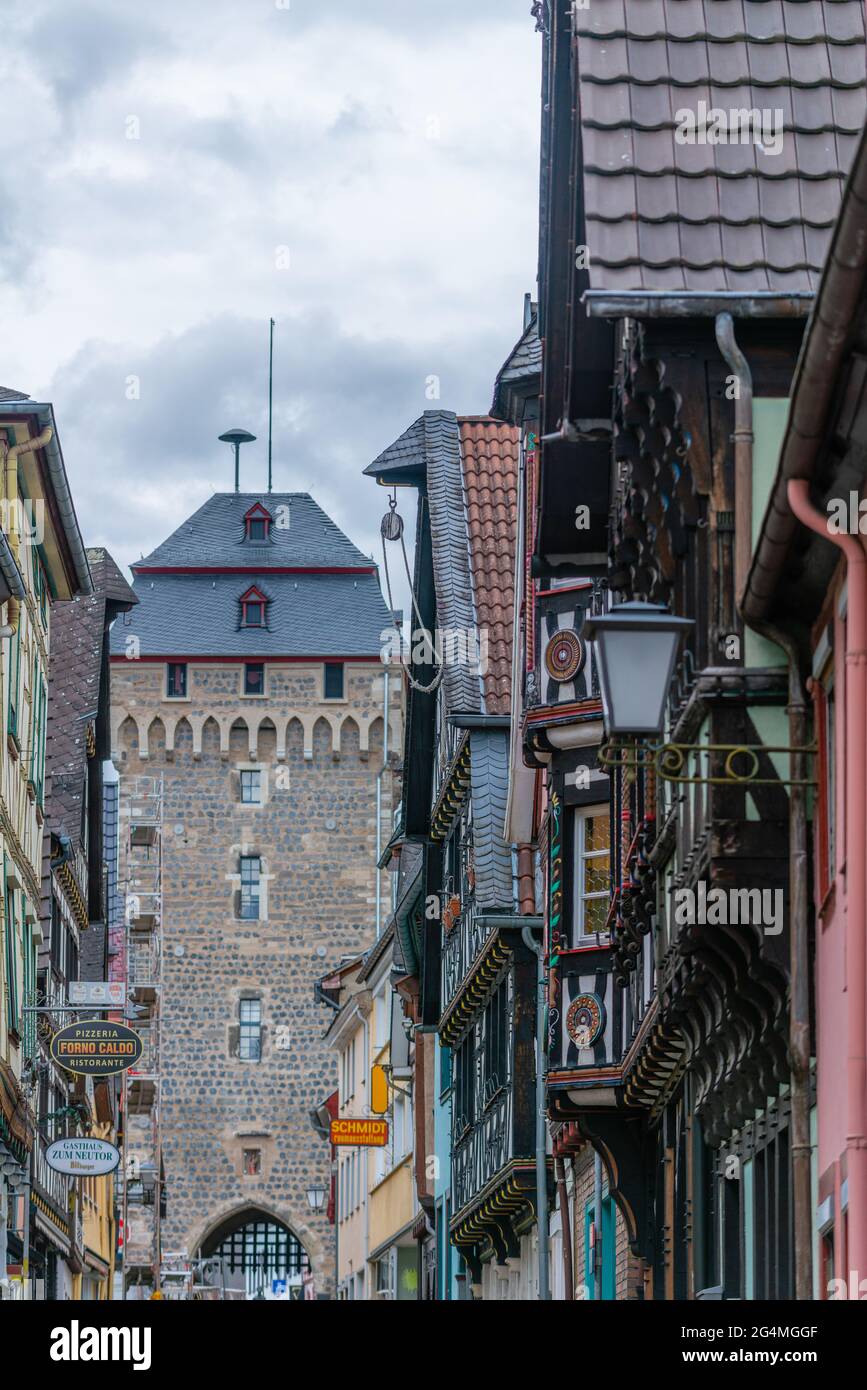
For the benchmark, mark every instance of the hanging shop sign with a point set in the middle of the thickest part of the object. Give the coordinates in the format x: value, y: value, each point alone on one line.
x: 364, y: 1134
x: 82, y: 1158
x: 96, y: 993
x: 96, y: 1047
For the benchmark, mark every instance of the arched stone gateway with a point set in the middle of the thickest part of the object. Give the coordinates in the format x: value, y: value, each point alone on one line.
x: 264, y: 849
x: 252, y: 1252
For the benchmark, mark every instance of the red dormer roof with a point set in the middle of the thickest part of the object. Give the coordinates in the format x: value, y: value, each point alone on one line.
x: 258, y: 513
x: 254, y: 595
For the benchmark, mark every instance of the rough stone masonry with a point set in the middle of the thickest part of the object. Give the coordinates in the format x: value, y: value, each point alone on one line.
x: 236, y: 1133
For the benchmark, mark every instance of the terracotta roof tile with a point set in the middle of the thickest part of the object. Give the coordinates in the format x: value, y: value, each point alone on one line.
x: 489, y: 458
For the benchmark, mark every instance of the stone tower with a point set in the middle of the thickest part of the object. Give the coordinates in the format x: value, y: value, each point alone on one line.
x: 248, y: 680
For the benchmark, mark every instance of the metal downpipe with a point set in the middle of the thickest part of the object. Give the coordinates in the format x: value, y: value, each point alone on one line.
x: 541, y: 1124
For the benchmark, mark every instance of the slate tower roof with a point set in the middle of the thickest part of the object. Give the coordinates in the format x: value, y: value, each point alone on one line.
x: 321, y: 593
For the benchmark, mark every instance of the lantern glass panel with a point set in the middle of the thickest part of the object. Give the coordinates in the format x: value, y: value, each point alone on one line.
x: 636, y: 670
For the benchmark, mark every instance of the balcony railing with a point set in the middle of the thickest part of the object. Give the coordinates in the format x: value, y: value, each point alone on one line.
x: 484, y: 1150
x: 462, y: 948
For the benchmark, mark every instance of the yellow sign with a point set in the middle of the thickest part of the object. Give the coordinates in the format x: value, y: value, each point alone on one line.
x: 378, y: 1090
x: 364, y: 1134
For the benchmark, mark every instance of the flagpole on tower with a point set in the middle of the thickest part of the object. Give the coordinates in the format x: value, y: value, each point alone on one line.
x: 270, y: 399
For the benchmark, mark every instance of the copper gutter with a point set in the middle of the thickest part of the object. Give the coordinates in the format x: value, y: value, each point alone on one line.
x: 565, y: 1229
x: 743, y: 442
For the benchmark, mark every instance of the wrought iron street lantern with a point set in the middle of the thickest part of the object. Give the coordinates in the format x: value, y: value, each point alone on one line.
x: 636, y: 646
x: 316, y: 1195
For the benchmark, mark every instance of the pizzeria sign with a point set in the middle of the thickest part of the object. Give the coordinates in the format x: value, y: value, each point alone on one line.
x: 96, y: 1047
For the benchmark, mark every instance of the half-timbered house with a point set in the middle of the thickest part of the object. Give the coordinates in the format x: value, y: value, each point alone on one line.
x: 476, y: 952
x: 679, y: 259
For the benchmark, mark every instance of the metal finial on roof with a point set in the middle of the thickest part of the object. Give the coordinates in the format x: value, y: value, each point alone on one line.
x: 236, y: 438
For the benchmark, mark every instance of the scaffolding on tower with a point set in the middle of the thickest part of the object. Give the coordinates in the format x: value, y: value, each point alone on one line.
x: 141, y: 1176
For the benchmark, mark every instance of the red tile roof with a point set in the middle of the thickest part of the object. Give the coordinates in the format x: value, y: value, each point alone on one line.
x: 489, y: 460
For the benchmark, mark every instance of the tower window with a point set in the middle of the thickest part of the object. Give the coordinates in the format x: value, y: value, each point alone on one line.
x: 251, y: 787
x: 254, y: 678
x: 334, y: 680
x: 251, y: 872
x: 176, y: 680
x: 250, y: 1018
x: 257, y: 524
x: 253, y: 605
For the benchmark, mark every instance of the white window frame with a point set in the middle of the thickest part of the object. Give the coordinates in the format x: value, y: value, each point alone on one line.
x: 581, y: 815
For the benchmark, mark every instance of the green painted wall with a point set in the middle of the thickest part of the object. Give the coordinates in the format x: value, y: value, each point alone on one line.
x: 769, y: 422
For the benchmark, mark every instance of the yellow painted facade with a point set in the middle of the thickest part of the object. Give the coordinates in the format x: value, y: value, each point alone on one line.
x: 42, y: 561
x: 95, y: 1198
x: 392, y: 1190
x: 391, y: 1204
x: 375, y: 1195
x: 24, y: 648
x: 353, y: 1163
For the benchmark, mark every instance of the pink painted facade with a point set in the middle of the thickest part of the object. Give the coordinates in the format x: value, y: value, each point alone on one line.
x: 839, y: 691
x: 829, y: 883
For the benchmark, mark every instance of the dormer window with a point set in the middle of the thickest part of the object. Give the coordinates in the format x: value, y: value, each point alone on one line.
x: 257, y: 523
x: 253, y: 606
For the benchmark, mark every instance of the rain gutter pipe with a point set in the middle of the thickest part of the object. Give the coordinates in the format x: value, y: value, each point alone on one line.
x: 541, y: 1125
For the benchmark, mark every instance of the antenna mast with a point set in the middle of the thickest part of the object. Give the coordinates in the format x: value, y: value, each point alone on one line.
x: 270, y: 399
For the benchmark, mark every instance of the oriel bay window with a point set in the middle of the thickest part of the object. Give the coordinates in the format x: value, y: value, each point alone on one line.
x: 251, y: 875
x: 592, y: 872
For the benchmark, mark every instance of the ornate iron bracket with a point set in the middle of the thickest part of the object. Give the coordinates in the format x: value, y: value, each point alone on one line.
x: 78, y: 1113
x: 740, y: 761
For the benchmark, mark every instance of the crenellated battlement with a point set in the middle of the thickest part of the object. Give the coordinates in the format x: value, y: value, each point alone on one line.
x: 159, y: 723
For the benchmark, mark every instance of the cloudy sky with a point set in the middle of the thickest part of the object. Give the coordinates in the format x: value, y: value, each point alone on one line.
x: 178, y: 173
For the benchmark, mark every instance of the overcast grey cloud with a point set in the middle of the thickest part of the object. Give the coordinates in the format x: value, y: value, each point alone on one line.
x: 177, y: 174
